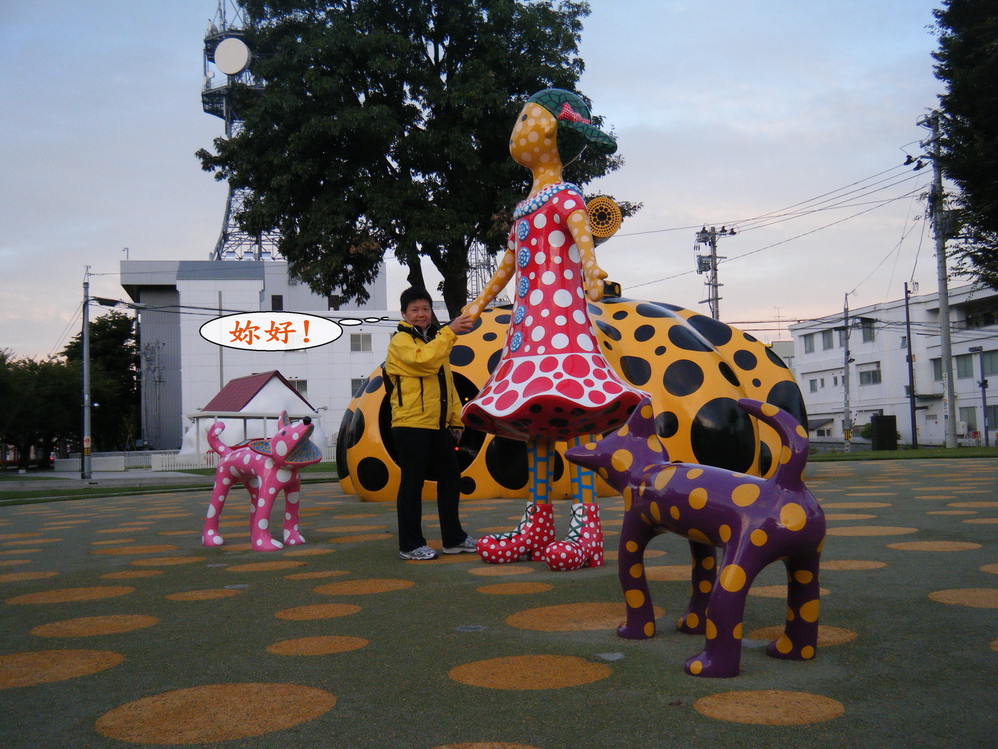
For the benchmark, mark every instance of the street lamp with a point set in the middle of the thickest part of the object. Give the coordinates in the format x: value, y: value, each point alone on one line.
x: 979, y: 350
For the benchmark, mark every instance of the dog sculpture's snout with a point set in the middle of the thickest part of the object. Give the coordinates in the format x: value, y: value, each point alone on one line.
x: 307, y: 420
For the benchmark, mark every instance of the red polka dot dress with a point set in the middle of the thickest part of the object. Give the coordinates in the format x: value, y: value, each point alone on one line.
x: 551, y: 381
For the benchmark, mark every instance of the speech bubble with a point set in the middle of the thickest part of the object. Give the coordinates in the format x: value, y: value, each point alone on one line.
x: 271, y: 331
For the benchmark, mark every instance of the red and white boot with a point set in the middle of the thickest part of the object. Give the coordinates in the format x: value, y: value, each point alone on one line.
x: 534, y: 532
x: 583, y: 547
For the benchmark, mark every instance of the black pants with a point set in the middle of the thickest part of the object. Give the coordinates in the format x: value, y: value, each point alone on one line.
x: 417, y: 449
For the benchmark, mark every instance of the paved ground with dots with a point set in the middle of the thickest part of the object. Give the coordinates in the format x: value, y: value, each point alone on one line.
x: 120, y: 629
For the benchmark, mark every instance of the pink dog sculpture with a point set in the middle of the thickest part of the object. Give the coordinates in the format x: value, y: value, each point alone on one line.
x: 265, y: 467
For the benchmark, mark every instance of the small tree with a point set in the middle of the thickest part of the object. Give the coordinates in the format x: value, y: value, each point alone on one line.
x: 114, y: 362
x: 967, y: 62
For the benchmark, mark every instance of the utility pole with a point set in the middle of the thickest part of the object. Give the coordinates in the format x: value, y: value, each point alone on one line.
x: 911, y: 364
x: 708, y: 264
x: 940, y: 231
x: 85, y: 463
x: 979, y: 350
x: 846, y: 361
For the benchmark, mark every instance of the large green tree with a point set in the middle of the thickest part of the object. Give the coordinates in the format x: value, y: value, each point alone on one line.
x: 967, y: 62
x: 383, y: 126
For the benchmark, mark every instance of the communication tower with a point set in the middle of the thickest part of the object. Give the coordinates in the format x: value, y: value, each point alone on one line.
x: 227, y: 65
x: 481, y: 267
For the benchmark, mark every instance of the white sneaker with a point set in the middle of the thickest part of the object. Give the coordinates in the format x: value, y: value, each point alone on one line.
x: 468, y: 545
x: 419, y: 554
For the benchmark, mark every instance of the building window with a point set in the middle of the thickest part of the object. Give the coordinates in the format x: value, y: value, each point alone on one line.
x: 937, y: 370
x: 360, y: 341
x: 866, y: 325
x: 809, y: 343
x: 968, y: 415
x: 334, y: 301
x: 870, y: 376
x: 835, y: 381
x: 277, y: 302
x: 813, y: 385
x: 827, y: 339
x: 990, y: 360
x: 964, y: 366
x: 357, y: 385
x: 823, y: 432
x: 301, y: 387
x: 904, y: 341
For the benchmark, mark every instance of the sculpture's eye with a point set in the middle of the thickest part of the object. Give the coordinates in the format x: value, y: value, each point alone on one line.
x: 523, y: 119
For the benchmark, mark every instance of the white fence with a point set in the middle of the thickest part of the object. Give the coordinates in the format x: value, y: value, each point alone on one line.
x: 188, y: 461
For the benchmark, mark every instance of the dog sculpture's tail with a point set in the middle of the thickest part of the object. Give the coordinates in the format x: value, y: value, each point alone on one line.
x: 793, y: 438
x: 216, y: 444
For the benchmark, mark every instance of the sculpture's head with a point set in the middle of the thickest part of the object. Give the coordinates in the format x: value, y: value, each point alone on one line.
x: 555, y: 126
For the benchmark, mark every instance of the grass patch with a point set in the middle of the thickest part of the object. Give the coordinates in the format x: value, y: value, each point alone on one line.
x: 921, y: 453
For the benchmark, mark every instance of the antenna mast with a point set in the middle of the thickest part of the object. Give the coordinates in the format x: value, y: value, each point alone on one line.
x: 227, y: 53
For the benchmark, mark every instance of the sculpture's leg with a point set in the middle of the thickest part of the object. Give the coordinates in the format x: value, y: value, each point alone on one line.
x: 292, y: 496
x: 223, y: 482
x: 703, y: 579
x: 536, y: 528
x: 800, y: 635
x: 263, y: 501
x: 722, y: 653
x: 634, y: 537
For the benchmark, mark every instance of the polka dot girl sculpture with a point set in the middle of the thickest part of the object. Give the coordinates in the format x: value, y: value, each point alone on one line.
x: 551, y: 382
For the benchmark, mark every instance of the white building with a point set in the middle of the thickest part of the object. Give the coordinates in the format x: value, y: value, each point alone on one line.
x: 181, y: 371
x: 878, y: 377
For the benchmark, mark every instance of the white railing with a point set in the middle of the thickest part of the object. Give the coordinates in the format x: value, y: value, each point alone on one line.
x: 183, y: 461
x: 187, y: 461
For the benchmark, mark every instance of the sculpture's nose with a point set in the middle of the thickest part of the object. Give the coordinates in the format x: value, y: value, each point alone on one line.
x: 307, y: 420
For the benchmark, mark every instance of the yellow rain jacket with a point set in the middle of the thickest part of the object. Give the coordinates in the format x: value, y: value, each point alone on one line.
x: 422, y: 388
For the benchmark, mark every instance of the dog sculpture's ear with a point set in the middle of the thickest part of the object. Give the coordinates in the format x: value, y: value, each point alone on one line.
x: 283, y: 421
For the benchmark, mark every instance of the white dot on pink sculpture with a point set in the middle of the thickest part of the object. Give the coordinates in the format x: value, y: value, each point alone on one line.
x: 559, y: 341
x: 569, y: 204
x: 556, y: 238
x: 281, y: 449
x: 261, y: 502
x: 540, y: 221
x: 560, y: 320
x: 263, y: 524
x: 562, y: 298
x: 569, y: 274
x: 218, y: 540
x: 573, y: 254
x: 535, y: 298
x: 247, y: 458
x: 537, y: 333
x: 293, y: 497
x: 269, y: 464
x: 539, y: 258
x: 584, y: 342
x: 233, y: 470
x: 211, y: 513
x: 226, y: 481
x: 284, y: 475
x: 579, y: 316
x: 548, y: 277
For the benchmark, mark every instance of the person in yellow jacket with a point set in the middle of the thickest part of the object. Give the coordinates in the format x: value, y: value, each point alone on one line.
x: 426, y: 417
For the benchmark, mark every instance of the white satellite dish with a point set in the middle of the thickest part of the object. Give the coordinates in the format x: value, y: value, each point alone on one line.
x: 232, y: 56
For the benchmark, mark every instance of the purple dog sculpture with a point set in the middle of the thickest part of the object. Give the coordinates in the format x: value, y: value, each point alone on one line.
x: 265, y: 467
x: 754, y: 521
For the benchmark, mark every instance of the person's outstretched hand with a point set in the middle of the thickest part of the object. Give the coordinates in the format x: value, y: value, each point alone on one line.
x: 462, y: 324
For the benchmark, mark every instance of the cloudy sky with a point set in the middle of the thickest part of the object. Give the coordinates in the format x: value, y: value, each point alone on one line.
x: 787, y: 120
